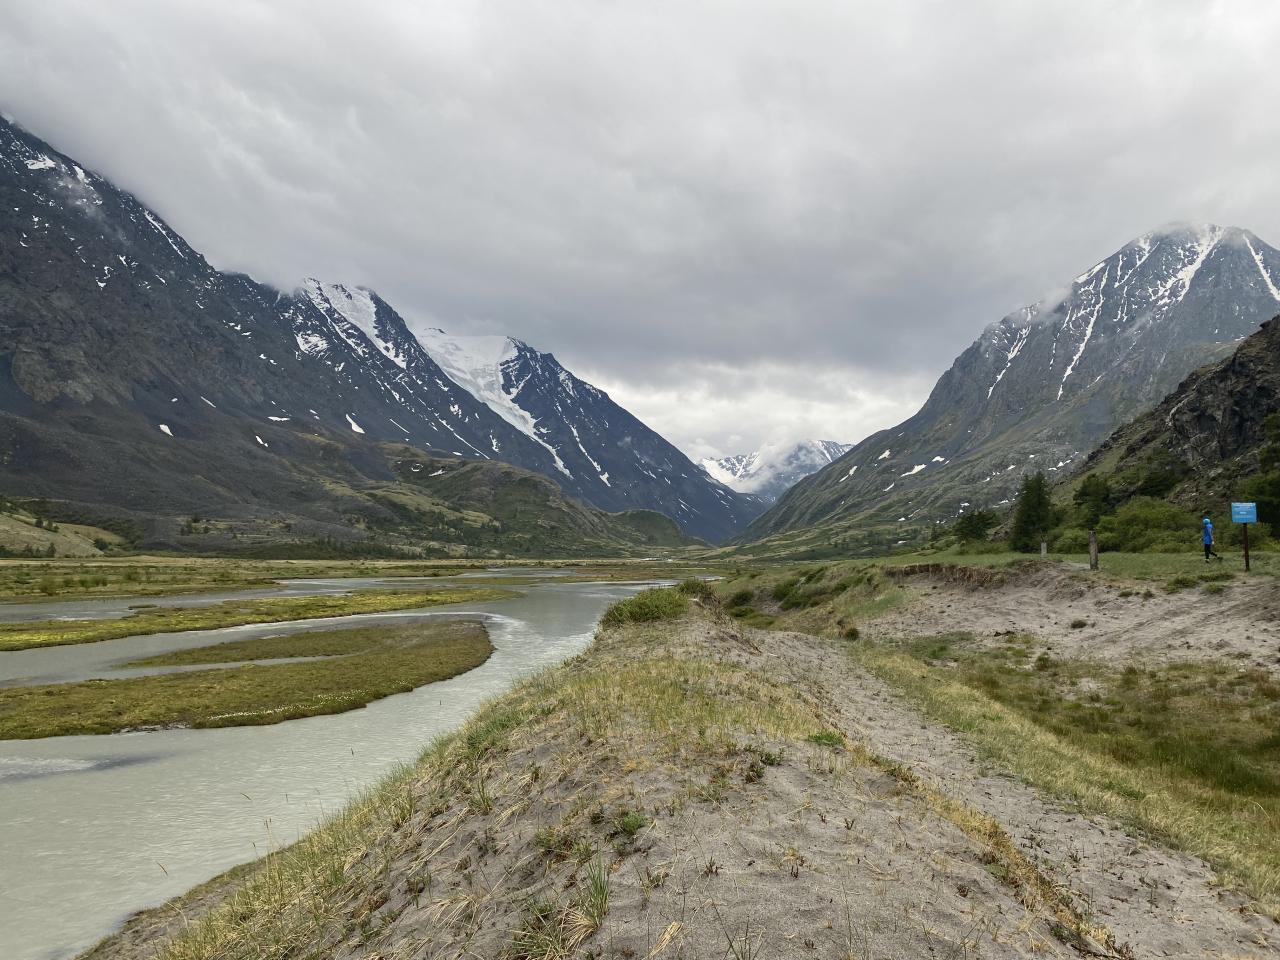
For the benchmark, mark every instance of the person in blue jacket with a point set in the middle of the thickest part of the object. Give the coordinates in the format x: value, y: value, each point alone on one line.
x: 1207, y: 539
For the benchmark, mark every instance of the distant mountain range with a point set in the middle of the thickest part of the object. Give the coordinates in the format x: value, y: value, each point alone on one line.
x: 133, y: 374
x: 768, y: 472
x: 1039, y: 390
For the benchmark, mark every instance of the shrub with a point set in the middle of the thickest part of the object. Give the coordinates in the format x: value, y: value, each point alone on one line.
x: 1146, y: 524
x: 693, y: 587
x: 782, y: 590
x: 1154, y: 477
x: 647, y: 606
x: 741, y: 598
x: 1071, y: 540
x: 1232, y: 534
x: 629, y: 822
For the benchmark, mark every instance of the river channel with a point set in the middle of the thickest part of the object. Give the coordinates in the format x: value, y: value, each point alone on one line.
x: 93, y: 828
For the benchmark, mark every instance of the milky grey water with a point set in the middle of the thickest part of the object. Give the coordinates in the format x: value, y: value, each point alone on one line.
x: 95, y: 828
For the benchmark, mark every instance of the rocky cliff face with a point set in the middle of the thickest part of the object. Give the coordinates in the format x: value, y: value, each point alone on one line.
x: 1042, y: 386
x: 1206, y: 435
x: 136, y: 372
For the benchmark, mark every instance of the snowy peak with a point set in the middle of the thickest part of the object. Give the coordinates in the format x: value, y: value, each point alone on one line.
x: 478, y: 365
x: 597, y: 447
x: 356, y: 308
x: 1176, y: 288
x: 769, y: 471
x: 484, y: 367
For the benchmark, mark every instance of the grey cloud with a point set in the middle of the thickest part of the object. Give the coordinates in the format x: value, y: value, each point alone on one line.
x: 697, y: 203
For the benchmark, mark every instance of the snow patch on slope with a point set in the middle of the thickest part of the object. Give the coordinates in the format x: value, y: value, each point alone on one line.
x: 160, y: 228
x: 1266, y: 277
x: 1017, y: 348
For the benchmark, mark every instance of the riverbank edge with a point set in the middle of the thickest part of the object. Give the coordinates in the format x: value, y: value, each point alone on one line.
x: 251, y: 693
x: 642, y: 697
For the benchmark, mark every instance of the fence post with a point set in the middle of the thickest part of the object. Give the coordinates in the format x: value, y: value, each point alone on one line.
x: 1093, y: 549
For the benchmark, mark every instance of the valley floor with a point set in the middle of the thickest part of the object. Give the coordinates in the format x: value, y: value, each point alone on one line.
x: 694, y: 787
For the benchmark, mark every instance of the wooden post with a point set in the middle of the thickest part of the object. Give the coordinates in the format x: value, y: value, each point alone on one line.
x: 1093, y: 549
x: 1246, y: 547
x: 1044, y: 549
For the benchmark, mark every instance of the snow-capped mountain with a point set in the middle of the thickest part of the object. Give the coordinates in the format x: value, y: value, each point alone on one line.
x: 110, y: 317
x: 496, y: 398
x: 1045, y: 384
x: 768, y: 472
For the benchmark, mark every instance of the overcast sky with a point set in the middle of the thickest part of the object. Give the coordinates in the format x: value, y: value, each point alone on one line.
x: 747, y: 221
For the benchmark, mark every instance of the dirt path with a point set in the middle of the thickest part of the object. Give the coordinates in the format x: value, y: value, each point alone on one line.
x: 1161, y: 903
x: 1241, y: 624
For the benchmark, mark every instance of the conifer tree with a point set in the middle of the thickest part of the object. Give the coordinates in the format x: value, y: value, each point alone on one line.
x: 1034, y: 514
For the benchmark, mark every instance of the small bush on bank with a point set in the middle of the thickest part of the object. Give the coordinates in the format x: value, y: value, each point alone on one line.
x: 693, y: 587
x: 647, y: 607
x: 783, y: 590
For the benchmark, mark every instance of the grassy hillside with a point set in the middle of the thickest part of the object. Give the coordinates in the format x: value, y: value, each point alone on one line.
x: 403, y: 504
x: 24, y: 534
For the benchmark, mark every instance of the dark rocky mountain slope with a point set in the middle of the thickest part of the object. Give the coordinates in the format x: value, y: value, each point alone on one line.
x: 1200, y: 445
x: 134, y: 375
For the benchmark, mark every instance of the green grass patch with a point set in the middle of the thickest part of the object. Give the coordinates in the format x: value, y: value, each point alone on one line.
x: 828, y: 599
x: 63, y: 579
x: 1187, y: 752
x: 696, y: 587
x: 352, y: 668
x: 648, y: 606
x: 47, y: 633
x: 827, y: 738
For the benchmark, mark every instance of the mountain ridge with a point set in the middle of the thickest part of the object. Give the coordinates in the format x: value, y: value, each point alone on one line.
x: 1039, y: 388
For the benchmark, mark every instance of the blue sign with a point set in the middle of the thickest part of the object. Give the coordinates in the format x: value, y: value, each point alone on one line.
x: 1244, y: 513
